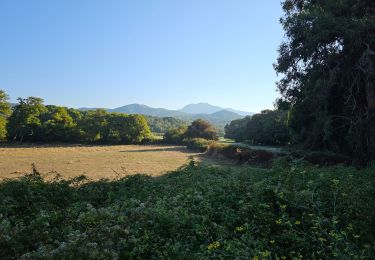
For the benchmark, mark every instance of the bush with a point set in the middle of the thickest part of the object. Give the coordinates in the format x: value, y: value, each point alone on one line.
x: 175, y: 136
x: 242, y: 154
x: 197, y: 212
x: 198, y: 144
x: 202, y: 129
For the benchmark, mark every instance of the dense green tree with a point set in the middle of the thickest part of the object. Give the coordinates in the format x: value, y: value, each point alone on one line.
x: 236, y: 129
x: 5, y: 111
x: 163, y: 124
x: 127, y: 129
x: 137, y: 129
x: 24, y: 121
x: 175, y: 136
x: 93, y: 125
x: 328, y: 67
x: 57, y: 125
x: 201, y: 129
x: 266, y: 128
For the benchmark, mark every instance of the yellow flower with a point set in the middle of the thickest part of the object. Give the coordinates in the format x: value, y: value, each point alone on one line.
x: 297, y: 222
x: 255, y: 258
x: 322, y: 239
x: 214, y: 245
x: 239, y: 229
x: 266, y: 253
x: 278, y: 221
x: 272, y: 241
x: 283, y: 257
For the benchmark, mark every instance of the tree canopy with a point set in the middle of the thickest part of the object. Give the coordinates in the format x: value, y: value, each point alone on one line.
x: 5, y: 111
x: 328, y: 68
x: 266, y: 128
x: 32, y: 121
x: 202, y: 129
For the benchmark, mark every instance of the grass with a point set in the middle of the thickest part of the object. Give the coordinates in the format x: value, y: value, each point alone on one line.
x: 95, y: 162
x: 291, y: 211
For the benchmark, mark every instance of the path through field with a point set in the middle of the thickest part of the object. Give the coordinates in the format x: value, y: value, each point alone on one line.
x: 93, y: 161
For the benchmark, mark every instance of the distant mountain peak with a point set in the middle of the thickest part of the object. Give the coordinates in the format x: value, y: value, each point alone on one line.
x: 206, y: 108
x: 216, y: 115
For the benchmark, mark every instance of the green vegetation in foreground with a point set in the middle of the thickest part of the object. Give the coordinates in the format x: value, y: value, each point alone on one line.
x: 288, y: 212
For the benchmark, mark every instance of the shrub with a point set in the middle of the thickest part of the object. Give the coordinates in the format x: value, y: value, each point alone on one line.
x: 202, y: 129
x: 198, y: 144
x: 197, y: 212
x: 175, y: 136
x: 242, y: 154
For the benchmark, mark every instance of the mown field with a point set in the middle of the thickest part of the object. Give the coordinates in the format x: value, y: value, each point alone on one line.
x: 95, y: 162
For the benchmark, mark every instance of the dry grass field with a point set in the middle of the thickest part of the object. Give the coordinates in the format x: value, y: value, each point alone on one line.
x: 95, y: 162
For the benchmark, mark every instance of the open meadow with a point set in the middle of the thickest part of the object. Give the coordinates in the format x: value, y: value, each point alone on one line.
x: 95, y: 162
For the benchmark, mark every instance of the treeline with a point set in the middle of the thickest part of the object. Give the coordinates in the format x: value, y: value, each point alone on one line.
x: 267, y: 128
x: 30, y: 120
x: 163, y: 124
x: 327, y: 86
x: 327, y: 63
x: 198, y: 129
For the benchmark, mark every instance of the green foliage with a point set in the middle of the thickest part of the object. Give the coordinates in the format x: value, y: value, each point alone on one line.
x: 164, y: 124
x: 57, y: 124
x: 175, y: 136
x: 202, y: 129
x: 197, y: 136
x: 32, y: 121
x: 5, y: 111
x: 267, y: 128
x: 292, y: 211
x: 328, y: 67
x: 24, y: 121
x: 198, y: 144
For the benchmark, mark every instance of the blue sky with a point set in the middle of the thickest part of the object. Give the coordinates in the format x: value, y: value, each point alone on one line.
x: 162, y: 53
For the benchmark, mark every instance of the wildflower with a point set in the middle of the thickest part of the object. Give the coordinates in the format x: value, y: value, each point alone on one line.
x: 357, y: 236
x: 322, y: 239
x: 297, y: 222
x: 283, y: 257
x: 255, y: 258
x: 239, y: 229
x: 278, y: 221
x: 272, y: 242
x: 266, y: 253
x: 214, y: 245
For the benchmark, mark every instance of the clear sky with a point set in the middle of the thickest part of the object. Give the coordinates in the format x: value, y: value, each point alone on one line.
x: 161, y: 53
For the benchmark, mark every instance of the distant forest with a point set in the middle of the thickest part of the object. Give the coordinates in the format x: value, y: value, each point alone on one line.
x: 30, y: 120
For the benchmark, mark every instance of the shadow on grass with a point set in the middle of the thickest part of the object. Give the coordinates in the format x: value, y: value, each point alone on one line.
x: 159, y: 149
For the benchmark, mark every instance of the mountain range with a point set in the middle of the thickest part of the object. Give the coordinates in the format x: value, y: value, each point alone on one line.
x: 216, y: 115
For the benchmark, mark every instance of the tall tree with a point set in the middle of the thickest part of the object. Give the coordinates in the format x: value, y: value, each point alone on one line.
x: 57, y: 124
x: 202, y: 129
x: 93, y: 125
x: 328, y: 67
x: 24, y: 121
x: 5, y: 111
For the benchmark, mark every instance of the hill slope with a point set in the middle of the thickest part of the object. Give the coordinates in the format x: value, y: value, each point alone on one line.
x: 214, y: 114
x: 205, y: 108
